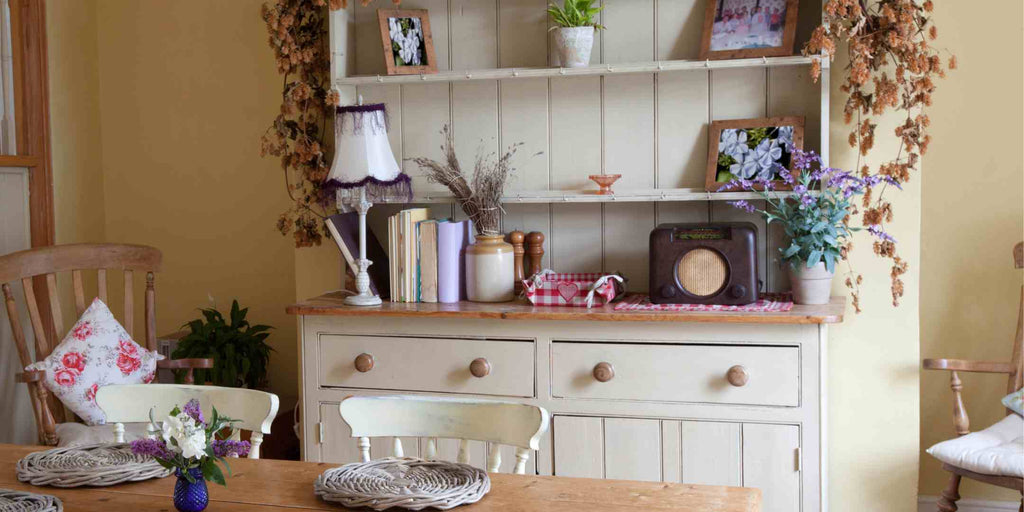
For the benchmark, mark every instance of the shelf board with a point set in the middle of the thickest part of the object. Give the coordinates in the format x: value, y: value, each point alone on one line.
x: 603, y: 69
x: 589, y: 196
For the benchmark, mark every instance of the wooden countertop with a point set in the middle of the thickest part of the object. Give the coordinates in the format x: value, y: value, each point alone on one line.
x: 283, y: 486
x: 331, y: 304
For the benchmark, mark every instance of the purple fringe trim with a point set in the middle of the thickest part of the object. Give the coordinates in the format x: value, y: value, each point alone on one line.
x: 398, y: 188
x: 359, y: 116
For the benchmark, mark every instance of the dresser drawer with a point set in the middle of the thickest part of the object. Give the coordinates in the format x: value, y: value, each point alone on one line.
x: 676, y: 373
x: 427, y: 364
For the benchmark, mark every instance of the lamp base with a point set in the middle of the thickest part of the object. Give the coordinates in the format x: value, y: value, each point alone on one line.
x: 363, y: 300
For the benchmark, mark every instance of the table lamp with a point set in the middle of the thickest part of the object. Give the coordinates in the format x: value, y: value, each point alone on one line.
x: 364, y: 170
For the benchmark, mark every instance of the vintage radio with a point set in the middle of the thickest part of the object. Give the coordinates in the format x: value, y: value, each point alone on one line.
x: 704, y: 263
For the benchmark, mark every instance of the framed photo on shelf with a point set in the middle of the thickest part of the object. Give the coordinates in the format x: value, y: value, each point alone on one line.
x: 741, y: 29
x: 408, y: 45
x: 751, y: 148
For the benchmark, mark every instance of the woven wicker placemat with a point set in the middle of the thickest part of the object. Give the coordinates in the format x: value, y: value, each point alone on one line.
x: 21, y: 501
x: 409, y: 483
x: 97, y: 465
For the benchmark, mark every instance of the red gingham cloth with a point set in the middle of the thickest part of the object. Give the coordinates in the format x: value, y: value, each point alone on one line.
x: 766, y: 302
x: 548, y: 288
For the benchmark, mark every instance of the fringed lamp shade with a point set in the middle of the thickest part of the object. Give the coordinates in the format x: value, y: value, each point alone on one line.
x: 363, y: 157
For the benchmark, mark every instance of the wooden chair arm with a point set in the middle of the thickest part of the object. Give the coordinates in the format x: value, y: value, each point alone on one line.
x: 30, y: 376
x: 963, y: 365
x: 185, y: 364
x: 188, y: 365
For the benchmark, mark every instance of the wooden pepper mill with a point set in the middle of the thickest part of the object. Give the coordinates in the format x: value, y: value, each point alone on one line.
x: 535, y: 252
x: 516, y: 239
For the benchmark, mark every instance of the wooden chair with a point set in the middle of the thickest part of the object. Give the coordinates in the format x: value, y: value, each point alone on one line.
x: 947, y: 502
x: 36, y: 270
x: 499, y: 423
x: 131, y: 403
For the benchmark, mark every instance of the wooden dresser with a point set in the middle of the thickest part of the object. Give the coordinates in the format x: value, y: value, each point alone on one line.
x: 706, y: 398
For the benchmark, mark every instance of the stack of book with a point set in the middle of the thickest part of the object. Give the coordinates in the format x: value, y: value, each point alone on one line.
x: 427, y: 257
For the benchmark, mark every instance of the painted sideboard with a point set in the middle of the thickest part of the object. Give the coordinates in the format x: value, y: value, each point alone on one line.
x: 705, y: 398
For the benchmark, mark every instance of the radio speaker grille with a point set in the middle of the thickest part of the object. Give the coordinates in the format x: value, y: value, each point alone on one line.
x: 702, y: 272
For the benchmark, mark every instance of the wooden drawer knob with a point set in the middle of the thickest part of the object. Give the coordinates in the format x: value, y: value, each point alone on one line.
x: 737, y: 376
x: 604, y: 372
x: 364, y: 363
x: 480, y: 368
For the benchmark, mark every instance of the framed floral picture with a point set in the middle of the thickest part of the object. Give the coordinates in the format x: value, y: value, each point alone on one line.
x: 740, y: 29
x: 408, y: 45
x: 752, y: 149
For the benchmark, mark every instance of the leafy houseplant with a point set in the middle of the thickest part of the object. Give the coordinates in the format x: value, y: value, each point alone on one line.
x: 239, y: 350
x: 816, y: 222
x: 574, y: 36
x: 191, y: 447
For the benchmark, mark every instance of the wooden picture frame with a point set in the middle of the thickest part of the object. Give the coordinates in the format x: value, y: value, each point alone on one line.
x: 396, y: 66
x: 711, y: 184
x: 783, y: 50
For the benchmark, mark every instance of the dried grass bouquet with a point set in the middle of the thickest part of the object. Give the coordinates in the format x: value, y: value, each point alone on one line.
x: 480, y: 196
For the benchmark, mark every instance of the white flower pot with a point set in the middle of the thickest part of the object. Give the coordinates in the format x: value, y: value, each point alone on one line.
x: 489, y: 270
x: 573, y: 45
x: 810, y: 285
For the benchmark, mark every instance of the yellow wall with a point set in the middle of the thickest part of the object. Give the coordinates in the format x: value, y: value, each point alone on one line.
x: 874, y: 356
x: 74, y: 121
x: 972, y: 217
x: 174, y: 95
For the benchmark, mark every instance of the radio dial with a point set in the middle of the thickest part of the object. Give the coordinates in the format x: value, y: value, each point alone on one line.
x: 737, y: 291
x: 668, y: 291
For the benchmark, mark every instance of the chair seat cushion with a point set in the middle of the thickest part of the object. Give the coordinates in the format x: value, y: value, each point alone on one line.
x: 96, y: 352
x: 997, y: 450
x: 77, y: 434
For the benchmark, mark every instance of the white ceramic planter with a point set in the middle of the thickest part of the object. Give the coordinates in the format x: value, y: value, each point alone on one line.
x: 573, y: 45
x: 810, y: 285
x: 489, y: 270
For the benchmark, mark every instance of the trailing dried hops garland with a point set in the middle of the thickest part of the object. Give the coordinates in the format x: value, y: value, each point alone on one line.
x: 299, y: 133
x: 892, y: 67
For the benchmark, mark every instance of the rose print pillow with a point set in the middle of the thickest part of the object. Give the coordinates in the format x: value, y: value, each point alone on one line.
x: 97, y: 352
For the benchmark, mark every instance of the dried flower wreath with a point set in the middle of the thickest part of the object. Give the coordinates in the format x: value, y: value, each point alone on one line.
x: 299, y: 133
x: 892, y: 67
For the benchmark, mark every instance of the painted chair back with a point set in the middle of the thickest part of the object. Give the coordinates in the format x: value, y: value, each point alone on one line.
x: 131, y: 403
x: 499, y: 423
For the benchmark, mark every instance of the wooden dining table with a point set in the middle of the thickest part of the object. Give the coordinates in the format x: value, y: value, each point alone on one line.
x: 278, y: 486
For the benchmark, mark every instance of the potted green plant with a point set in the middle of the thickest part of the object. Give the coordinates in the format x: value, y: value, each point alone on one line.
x: 239, y: 350
x: 815, y: 217
x: 574, y: 31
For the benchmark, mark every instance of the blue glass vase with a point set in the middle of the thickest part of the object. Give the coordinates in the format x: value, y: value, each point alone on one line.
x: 188, y: 496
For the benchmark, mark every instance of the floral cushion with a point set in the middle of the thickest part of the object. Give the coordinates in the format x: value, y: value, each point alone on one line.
x: 1015, y: 401
x: 97, y: 352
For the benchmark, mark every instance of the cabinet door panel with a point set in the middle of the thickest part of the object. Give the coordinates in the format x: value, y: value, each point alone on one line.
x: 632, y: 449
x: 337, y: 445
x: 711, y: 453
x: 769, y: 464
x: 579, y: 446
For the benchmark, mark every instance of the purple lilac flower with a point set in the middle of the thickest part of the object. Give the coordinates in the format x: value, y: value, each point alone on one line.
x: 807, y: 200
x: 876, y: 230
x: 151, y: 448
x: 800, y: 189
x: 784, y: 174
x: 193, y: 410
x: 803, y: 160
x: 225, y: 447
x: 743, y: 205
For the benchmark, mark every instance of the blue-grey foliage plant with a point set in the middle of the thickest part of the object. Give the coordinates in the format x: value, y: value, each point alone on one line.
x: 816, y: 221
